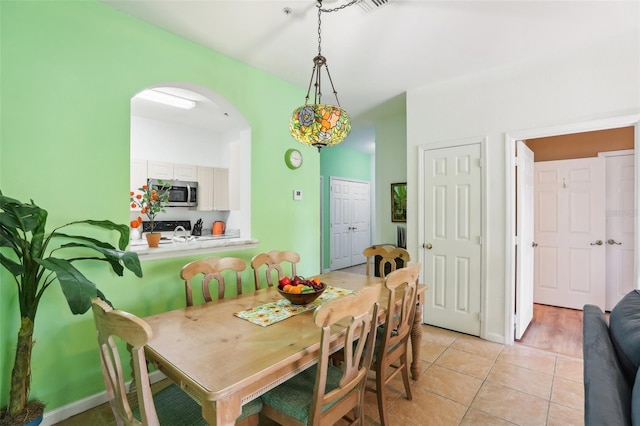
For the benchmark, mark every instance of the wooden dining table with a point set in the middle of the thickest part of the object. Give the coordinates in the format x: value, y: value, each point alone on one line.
x: 224, y: 361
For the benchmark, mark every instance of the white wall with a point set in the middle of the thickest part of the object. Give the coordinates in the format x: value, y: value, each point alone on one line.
x: 164, y: 141
x: 596, y: 82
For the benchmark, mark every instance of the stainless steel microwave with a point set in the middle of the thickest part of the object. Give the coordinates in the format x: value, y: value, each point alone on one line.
x: 181, y: 193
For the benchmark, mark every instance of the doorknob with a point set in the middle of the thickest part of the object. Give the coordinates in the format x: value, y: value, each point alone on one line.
x: 534, y: 244
x: 612, y: 242
x: 428, y: 246
x: 597, y: 243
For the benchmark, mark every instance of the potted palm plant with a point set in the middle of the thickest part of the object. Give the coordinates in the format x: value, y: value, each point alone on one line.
x: 36, y: 259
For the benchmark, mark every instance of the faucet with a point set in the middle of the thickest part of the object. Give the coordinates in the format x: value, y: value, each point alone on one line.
x: 184, y: 238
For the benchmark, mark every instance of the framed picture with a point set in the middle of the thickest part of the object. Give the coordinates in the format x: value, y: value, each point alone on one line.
x: 399, y: 202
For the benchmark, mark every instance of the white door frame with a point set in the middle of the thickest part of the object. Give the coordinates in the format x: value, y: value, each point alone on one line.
x: 482, y: 140
x: 510, y: 190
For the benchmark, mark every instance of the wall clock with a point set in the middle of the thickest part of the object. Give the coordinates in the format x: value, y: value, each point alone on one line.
x: 293, y: 158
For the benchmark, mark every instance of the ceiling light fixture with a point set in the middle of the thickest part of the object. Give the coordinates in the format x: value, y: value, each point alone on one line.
x: 166, y: 99
x: 319, y: 124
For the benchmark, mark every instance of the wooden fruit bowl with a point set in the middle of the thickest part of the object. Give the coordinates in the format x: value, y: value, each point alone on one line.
x: 302, y: 298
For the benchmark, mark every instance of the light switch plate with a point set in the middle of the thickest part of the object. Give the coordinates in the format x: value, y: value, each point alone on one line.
x: 297, y: 194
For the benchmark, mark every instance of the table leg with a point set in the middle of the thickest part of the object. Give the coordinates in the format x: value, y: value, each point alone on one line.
x: 416, y: 340
x: 223, y: 412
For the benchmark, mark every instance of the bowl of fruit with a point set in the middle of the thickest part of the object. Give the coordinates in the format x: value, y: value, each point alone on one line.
x: 300, y: 291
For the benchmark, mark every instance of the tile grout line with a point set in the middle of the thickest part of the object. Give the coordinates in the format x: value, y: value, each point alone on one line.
x: 554, y: 374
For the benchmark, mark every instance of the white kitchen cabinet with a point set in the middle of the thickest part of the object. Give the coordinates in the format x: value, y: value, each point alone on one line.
x: 160, y: 170
x: 186, y: 172
x: 137, y: 177
x: 213, y: 188
x: 205, y: 188
x: 220, y: 188
x: 171, y: 171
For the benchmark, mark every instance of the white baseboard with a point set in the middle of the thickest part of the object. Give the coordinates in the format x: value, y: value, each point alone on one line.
x: 497, y: 338
x: 62, y: 413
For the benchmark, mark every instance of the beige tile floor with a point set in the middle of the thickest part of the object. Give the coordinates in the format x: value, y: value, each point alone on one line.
x: 468, y: 381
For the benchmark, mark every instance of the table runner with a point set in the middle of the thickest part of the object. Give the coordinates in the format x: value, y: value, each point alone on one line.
x: 273, y: 312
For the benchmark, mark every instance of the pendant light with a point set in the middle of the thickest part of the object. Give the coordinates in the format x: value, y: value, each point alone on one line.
x: 320, y: 124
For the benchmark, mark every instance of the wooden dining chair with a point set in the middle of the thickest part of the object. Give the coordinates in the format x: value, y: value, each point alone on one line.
x: 169, y: 406
x: 392, y: 344
x: 323, y: 393
x: 389, y: 255
x: 212, y: 268
x: 273, y: 261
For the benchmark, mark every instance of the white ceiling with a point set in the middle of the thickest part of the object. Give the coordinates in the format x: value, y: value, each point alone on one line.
x: 375, y: 56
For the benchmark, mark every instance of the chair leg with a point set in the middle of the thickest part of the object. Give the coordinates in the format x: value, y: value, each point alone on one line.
x: 405, y: 376
x: 381, y: 394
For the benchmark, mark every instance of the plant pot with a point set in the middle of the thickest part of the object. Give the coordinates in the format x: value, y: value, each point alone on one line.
x: 32, y: 415
x: 36, y: 421
x: 153, y: 239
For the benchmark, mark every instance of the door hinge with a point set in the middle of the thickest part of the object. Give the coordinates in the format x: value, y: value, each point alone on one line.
x: 516, y: 240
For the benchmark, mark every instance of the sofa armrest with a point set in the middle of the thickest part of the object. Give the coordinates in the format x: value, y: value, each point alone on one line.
x: 607, y: 394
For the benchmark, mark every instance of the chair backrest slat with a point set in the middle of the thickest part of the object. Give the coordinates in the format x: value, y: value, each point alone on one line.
x: 136, y: 333
x: 359, y: 313
x: 399, y: 320
x: 273, y: 261
x: 389, y: 256
x: 212, y: 269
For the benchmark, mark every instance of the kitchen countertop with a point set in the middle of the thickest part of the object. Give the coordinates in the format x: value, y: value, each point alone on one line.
x: 200, y: 245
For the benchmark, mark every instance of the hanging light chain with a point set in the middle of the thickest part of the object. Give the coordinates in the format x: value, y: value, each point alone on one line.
x: 318, y: 93
x: 319, y: 24
x: 352, y: 2
x: 335, y: 9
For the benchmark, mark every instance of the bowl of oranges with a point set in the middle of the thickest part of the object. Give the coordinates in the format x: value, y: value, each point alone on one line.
x: 300, y: 291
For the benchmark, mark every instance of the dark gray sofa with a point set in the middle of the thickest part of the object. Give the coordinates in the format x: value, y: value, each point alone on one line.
x: 611, y: 354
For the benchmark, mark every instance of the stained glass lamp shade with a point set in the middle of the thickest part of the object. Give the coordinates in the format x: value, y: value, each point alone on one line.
x: 320, y: 125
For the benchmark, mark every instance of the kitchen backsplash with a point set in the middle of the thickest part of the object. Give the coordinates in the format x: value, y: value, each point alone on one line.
x: 184, y: 214
x: 168, y: 226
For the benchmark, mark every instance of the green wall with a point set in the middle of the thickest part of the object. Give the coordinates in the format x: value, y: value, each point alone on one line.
x: 391, y: 165
x: 343, y: 163
x: 69, y: 70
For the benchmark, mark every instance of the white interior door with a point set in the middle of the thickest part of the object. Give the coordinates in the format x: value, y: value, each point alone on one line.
x: 340, y: 224
x: 350, y: 222
x: 570, y: 230
x: 452, y: 225
x: 360, y: 221
x: 525, y: 242
x: 620, y: 213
